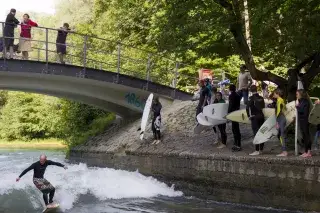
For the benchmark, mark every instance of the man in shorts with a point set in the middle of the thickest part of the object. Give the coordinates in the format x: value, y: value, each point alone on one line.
x: 39, y: 181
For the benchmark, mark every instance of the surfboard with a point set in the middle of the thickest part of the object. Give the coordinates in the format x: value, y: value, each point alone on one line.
x: 314, y: 117
x: 268, y: 129
x: 216, y: 111
x: 240, y: 116
x: 207, y: 121
x: 145, y: 115
x: 52, y: 209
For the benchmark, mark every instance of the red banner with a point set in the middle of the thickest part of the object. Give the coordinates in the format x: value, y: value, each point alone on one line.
x: 205, y: 73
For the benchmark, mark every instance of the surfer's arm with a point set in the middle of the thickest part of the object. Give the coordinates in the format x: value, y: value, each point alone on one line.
x: 55, y: 163
x: 26, y: 170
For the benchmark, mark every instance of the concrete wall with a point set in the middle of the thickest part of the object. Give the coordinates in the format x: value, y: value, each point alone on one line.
x: 271, y: 182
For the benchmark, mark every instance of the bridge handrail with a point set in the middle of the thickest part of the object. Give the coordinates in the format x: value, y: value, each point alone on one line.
x: 117, y: 56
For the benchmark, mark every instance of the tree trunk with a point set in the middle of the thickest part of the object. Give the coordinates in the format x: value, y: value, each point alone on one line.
x: 247, y: 22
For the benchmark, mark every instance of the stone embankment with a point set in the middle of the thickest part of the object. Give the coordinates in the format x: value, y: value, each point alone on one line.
x: 194, y: 165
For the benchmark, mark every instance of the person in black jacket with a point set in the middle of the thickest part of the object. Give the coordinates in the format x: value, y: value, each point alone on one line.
x: 61, y: 42
x: 39, y: 168
x: 303, y: 108
x: 156, y: 120
x: 255, y: 114
x: 11, y: 23
x: 234, y: 105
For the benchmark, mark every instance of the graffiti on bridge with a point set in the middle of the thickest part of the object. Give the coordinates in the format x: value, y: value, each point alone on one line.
x: 135, y: 100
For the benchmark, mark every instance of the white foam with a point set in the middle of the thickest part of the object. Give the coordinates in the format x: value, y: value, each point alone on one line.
x: 103, y: 183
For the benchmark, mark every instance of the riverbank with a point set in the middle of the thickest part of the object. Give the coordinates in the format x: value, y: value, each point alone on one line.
x: 33, y: 144
x: 194, y: 165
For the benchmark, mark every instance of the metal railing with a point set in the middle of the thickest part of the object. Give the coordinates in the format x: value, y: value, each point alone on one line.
x: 98, y: 53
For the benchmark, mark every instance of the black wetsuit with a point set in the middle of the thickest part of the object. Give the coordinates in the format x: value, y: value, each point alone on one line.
x: 38, y: 179
x: 156, y: 120
x: 234, y: 105
x: 303, y: 118
x: 254, y: 111
x: 11, y: 23
x: 204, y: 93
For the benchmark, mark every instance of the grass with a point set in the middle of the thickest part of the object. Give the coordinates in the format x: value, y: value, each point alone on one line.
x: 33, y: 144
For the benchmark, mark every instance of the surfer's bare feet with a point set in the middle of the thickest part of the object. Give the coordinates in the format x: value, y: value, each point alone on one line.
x: 283, y: 154
x: 221, y: 146
x: 154, y: 142
x: 306, y: 155
x: 158, y: 141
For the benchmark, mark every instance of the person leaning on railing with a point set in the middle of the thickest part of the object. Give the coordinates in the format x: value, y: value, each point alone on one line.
x: 25, y: 36
x: 11, y: 23
x: 61, y: 42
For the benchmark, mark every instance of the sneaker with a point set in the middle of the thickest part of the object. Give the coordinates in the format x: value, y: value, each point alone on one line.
x: 283, y: 154
x: 236, y: 149
x: 256, y: 153
x: 221, y: 146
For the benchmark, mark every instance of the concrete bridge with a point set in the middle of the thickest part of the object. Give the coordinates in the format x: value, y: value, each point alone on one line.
x: 115, y: 91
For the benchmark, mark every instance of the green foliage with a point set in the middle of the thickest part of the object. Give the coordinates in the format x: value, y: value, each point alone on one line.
x: 80, y: 121
x: 27, y: 116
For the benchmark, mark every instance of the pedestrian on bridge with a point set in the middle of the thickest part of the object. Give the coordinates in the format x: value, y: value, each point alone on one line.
x: 61, y: 42
x: 25, y: 36
x: 11, y: 23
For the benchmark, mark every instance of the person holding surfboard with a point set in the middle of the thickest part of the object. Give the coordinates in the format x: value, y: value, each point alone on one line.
x: 303, y: 108
x: 40, y: 182
x: 281, y: 121
x: 204, y: 95
x: 234, y: 105
x: 255, y: 114
x: 221, y: 127
x: 156, y: 120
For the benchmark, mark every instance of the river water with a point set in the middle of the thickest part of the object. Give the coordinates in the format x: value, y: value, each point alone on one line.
x: 96, y: 190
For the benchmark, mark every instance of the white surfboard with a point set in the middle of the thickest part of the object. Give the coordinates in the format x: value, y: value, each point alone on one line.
x: 207, y: 121
x: 216, y: 111
x: 145, y: 116
x: 268, y: 129
x: 54, y: 207
x: 314, y: 117
x: 240, y: 116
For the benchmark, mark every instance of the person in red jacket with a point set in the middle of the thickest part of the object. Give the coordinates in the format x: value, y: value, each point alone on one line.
x: 25, y: 36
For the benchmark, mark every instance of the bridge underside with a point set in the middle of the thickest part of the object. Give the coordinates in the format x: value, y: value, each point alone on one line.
x: 125, y: 97
x: 61, y: 87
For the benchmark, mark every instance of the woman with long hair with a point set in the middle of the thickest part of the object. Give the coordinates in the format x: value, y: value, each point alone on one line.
x: 281, y: 121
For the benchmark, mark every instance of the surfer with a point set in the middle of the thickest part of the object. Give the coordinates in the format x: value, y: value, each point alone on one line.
x: 222, y: 127
x: 255, y: 114
x: 204, y: 94
x: 39, y: 181
x: 303, y: 108
x: 214, y: 92
x: 234, y: 105
x: 156, y: 120
x: 244, y: 83
x: 281, y: 121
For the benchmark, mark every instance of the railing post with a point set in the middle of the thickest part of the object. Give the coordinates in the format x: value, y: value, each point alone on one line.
x: 119, y: 61
x: 4, y: 51
x: 47, y: 47
x: 85, y: 56
x: 148, y: 71
x: 175, y: 79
